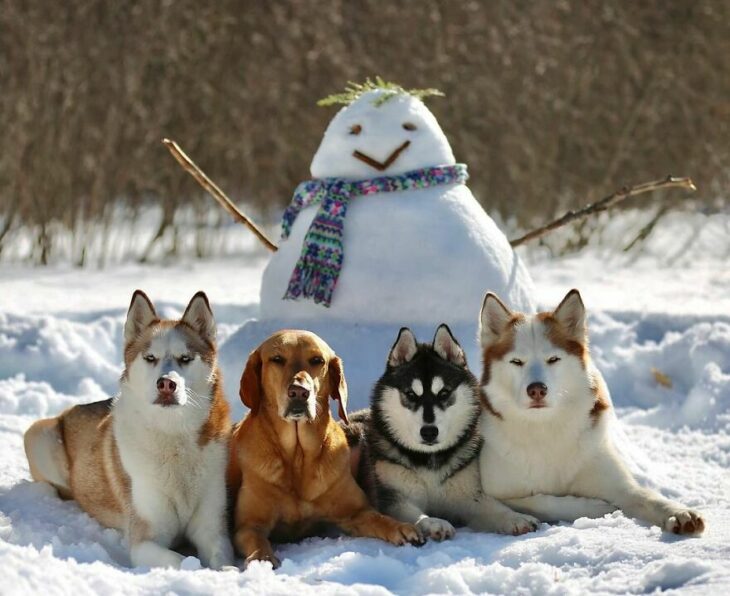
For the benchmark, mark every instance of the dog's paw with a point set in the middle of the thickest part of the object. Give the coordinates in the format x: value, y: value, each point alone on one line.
x: 435, y: 528
x: 265, y: 557
x: 685, y: 522
x: 405, y: 534
x: 517, y: 524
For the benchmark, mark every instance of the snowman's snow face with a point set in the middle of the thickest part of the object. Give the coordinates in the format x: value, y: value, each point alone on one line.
x: 365, y: 140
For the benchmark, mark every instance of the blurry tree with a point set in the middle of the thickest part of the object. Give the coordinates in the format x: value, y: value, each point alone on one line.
x: 550, y: 103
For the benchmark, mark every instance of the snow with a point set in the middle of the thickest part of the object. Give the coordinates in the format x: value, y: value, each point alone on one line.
x: 412, y: 258
x: 60, y: 344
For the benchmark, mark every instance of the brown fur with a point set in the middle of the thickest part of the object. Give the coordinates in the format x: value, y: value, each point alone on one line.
x: 85, y: 452
x: 289, y: 475
x: 559, y: 338
x: 600, y: 405
x: 499, y: 349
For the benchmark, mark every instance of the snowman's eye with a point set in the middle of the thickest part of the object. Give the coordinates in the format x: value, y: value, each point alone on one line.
x: 409, y: 126
x: 355, y: 129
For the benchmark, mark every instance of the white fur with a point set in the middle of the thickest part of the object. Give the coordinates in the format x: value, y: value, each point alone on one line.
x: 427, y: 497
x: 406, y: 424
x: 178, y: 487
x: 417, y: 387
x: 557, y: 450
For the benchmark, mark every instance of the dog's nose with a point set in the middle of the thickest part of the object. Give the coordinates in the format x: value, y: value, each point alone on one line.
x: 298, y: 392
x: 429, y: 433
x: 166, y: 385
x: 537, y: 391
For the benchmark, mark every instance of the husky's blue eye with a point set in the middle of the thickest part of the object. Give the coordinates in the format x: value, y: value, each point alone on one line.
x: 149, y: 358
x: 552, y: 359
x: 516, y: 362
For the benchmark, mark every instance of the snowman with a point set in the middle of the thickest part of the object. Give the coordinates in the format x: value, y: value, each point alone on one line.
x: 386, y: 234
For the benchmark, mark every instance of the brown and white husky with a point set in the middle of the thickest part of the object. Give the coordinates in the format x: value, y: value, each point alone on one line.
x: 546, y: 429
x: 151, y: 461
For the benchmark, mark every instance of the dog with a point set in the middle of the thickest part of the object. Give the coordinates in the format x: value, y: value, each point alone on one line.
x: 422, y: 442
x: 290, y: 462
x: 546, y: 428
x: 151, y: 461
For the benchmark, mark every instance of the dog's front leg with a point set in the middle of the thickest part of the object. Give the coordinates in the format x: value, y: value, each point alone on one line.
x: 208, y: 529
x: 608, y: 478
x: 487, y: 514
x: 255, y: 516
x: 428, y: 527
x: 149, y: 548
x: 551, y: 508
x: 346, y: 505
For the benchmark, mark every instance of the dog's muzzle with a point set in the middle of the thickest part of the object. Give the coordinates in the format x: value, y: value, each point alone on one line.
x: 166, y: 392
x: 298, y: 406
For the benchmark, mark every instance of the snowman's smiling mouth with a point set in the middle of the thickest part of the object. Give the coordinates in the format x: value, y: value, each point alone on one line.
x: 381, y: 166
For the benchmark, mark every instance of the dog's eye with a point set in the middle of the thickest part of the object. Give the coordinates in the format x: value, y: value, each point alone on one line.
x: 409, y: 126
x: 316, y: 361
x: 552, y: 359
x: 149, y: 358
x: 410, y: 394
x: 516, y: 362
x: 277, y: 359
x: 355, y: 129
x: 185, y: 359
x: 444, y: 393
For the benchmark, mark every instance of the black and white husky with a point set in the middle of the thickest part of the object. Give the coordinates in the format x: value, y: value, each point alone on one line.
x: 422, y: 442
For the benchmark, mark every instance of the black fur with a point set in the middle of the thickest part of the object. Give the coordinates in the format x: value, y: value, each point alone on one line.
x: 377, y: 441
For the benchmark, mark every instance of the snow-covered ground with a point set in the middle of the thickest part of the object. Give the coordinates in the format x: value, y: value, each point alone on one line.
x: 667, y: 311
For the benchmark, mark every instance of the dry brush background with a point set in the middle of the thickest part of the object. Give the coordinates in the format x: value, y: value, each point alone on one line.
x: 551, y: 103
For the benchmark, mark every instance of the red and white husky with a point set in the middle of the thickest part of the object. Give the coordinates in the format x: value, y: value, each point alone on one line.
x: 546, y: 425
x: 150, y: 462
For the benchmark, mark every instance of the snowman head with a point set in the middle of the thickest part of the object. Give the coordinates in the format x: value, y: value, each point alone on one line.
x: 381, y: 133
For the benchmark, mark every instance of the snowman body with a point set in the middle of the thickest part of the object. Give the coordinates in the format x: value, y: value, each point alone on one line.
x: 414, y: 258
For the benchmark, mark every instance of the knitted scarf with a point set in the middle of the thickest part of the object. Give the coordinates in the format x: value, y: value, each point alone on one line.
x: 318, y: 268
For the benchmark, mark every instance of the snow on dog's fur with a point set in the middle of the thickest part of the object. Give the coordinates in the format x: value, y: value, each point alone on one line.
x: 151, y: 461
x: 547, y: 422
x: 421, y: 440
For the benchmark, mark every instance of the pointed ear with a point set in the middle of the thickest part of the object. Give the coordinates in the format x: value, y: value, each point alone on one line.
x: 199, y: 316
x: 250, y: 390
x: 141, y: 314
x: 571, y: 314
x: 404, y: 348
x: 338, y: 386
x: 446, y: 346
x: 493, y: 319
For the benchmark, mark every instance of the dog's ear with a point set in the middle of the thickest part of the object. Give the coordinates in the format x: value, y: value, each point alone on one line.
x: 571, y: 314
x: 404, y: 348
x: 446, y: 346
x: 338, y: 386
x: 250, y: 390
x: 493, y: 319
x: 141, y: 314
x: 199, y: 316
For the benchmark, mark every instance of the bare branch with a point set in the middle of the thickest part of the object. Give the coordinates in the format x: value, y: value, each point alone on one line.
x: 606, y: 203
x: 220, y: 197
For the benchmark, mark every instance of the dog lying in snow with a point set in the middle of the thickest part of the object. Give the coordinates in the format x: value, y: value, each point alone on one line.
x: 152, y: 461
x: 546, y: 427
x: 290, y: 464
x: 420, y: 442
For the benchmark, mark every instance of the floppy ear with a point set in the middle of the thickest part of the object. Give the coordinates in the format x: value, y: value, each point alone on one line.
x: 446, y: 346
x: 493, y: 319
x: 250, y: 390
x: 199, y: 316
x: 404, y: 348
x: 140, y: 315
x: 338, y: 386
x: 571, y: 314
